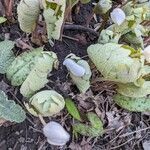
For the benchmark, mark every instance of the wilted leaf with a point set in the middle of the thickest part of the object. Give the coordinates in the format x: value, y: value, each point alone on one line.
x: 130, y: 90
x: 2, y: 20
x: 45, y: 103
x: 54, y: 16
x: 93, y: 130
x: 28, y: 13
x: 72, y: 109
x: 9, y: 110
x: 141, y: 104
x: 6, y: 55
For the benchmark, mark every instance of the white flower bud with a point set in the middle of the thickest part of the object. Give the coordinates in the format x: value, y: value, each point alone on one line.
x: 118, y: 16
x: 74, y: 68
x: 146, y: 53
x: 56, y: 134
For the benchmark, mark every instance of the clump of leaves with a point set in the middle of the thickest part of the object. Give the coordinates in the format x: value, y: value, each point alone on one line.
x: 9, y: 110
x: 130, y: 30
x: 30, y: 70
x: 94, y: 129
x: 125, y: 66
x: 53, y: 12
x: 45, y: 103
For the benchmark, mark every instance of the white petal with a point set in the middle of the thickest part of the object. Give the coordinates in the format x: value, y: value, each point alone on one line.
x: 56, y: 134
x: 74, y: 68
x: 118, y: 16
x: 146, y: 53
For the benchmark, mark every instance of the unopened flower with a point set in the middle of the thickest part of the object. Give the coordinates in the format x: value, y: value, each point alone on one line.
x: 146, y: 53
x: 74, y: 68
x: 56, y: 134
x: 118, y: 16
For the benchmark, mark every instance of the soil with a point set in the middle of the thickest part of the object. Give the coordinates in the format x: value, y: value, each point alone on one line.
x: 28, y: 134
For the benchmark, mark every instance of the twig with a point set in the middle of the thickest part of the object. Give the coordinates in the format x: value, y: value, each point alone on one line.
x: 42, y: 120
x: 122, y: 144
x: 127, y: 134
x: 71, y: 38
x: 82, y: 28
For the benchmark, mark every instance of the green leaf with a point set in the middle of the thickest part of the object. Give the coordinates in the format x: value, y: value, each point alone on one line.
x: 37, y: 77
x: 130, y: 90
x: 45, y: 103
x: 114, y: 62
x: 141, y: 104
x: 6, y: 55
x: 20, y: 68
x: 2, y: 19
x: 9, y: 110
x: 93, y: 130
x: 72, y: 109
x: 108, y: 36
x: 28, y: 13
x: 54, y: 16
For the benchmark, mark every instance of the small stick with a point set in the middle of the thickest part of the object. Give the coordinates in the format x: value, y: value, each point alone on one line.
x: 42, y: 120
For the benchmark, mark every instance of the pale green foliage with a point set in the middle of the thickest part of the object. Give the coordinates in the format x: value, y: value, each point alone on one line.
x: 93, y: 130
x: 46, y: 103
x: 72, y: 109
x: 108, y: 36
x: 22, y: 65
x: 133, y: 104
x: 54, y: 16
x: 6, y: 55
x: 115, y: 63
x: 2, y: 20
x: 82, y: 83
x: 53, y: 12
x: 37, y: 78
x: 9, y: 110
x: 131, y: 90
x: 28, y: 13
x: 130, y: 29
x: 31, y: 69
